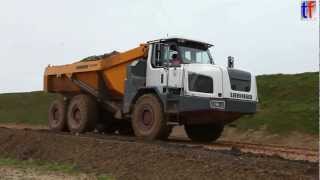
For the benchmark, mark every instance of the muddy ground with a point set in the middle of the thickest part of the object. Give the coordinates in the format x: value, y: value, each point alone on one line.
x: 260, y: 136
x: 148, y: 160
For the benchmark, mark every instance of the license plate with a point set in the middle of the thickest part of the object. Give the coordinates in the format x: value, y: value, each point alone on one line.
x: 215, y: 104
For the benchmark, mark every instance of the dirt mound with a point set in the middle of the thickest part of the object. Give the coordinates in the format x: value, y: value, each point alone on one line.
x: 148, y: 160
x: 99, y: 57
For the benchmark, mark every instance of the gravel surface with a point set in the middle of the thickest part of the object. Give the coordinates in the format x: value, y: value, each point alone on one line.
x: 145, y: 160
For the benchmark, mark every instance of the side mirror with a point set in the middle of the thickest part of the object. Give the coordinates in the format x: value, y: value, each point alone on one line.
x: 160, y: 53
x: 230, y: 62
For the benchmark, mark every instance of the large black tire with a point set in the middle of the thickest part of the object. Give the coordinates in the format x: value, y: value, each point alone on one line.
x: 204, y: 132
x: 57, y: 115
x: 148, y: 120
x: 82, y: 114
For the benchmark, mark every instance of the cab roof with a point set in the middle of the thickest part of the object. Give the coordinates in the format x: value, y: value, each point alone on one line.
x: 180, y: 39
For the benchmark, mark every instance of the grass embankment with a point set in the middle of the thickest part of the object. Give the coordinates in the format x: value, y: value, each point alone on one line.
x: 28, y: 107
x: 287, y: 103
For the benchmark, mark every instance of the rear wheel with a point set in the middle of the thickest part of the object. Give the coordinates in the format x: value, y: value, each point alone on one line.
x: 204, y: 132
x: 148, y: 120
x: 82, y: 114
x: 57, y: 119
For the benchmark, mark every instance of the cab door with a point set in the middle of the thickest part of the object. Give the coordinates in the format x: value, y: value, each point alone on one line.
x: 157, y: 73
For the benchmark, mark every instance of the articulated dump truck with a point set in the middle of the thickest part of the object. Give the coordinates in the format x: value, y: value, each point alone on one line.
x: 148, y: 90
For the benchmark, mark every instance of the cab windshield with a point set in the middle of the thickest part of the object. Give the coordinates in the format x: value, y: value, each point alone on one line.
x: 176, y: 53
x: 191, y: 55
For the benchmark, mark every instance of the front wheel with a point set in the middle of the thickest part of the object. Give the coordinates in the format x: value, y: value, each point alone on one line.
x: 204, y: 132
x: 148, y: 120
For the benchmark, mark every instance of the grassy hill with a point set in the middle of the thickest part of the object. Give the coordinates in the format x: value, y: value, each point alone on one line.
x: 287, y: 103
x: 28, y: 107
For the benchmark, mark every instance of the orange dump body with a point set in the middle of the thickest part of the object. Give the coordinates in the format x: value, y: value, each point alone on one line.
x: 113, y: 70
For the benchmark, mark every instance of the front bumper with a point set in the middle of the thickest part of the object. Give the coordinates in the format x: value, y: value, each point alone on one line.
x: 192, y: 104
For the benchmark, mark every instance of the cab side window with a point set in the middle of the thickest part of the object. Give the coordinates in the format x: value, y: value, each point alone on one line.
x: 159, y: 55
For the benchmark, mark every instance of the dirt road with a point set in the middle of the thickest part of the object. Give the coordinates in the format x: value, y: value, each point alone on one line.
x: 261, y: 136
x: 148, y: 160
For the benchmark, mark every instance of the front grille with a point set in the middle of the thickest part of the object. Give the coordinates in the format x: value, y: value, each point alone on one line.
x: 240, y: 80
x: 200, y: 83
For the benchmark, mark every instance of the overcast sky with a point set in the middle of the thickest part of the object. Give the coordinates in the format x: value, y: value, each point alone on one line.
x: 265, y: 36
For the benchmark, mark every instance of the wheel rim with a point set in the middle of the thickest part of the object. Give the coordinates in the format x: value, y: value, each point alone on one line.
x: 147, y: 119
x: 76, y: 115
x: 55, y: 116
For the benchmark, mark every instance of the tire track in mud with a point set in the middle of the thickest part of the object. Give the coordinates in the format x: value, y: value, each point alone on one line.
x: 285, y: 152
x: 289, y: 153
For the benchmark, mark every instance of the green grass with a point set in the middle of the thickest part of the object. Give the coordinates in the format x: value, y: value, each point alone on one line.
x: 105, y: 177
x: 29, y: 107
x: 40, y: 165
x: 287, y: 103
x: 45, y: 166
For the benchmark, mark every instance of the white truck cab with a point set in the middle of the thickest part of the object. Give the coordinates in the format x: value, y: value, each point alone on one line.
x: 196, y: 75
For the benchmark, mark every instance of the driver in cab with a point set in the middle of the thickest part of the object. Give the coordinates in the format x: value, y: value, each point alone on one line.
x: 175, y: 60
